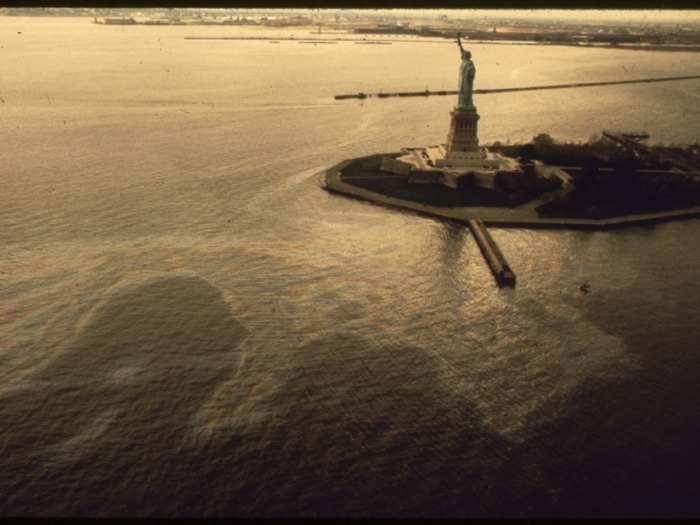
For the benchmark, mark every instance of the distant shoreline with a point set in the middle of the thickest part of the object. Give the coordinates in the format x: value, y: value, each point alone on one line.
x: 388, y: 36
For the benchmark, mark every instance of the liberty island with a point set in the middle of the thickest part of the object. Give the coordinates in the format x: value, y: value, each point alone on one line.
x: 614, y: 182
x: 525, y: 185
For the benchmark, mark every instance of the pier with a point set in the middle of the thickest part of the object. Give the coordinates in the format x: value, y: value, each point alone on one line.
x: 427, y: 93
x: 497, y: 262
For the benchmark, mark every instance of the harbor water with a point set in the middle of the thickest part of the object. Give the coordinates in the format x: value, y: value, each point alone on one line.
x: 190, y: 325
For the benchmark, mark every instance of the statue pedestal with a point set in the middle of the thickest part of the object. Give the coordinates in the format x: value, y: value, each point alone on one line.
x: 462, y: 148
x: 463, y: 136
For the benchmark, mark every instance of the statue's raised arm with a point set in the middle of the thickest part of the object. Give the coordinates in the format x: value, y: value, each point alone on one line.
x: 467, y: 71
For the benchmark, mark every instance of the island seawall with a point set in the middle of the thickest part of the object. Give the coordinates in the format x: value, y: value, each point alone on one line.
x: 517, y: 217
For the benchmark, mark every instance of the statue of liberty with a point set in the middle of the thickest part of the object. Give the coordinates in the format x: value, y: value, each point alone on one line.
x: 466, y: 78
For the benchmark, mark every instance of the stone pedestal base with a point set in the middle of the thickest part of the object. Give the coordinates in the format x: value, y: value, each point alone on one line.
x: 431, y: 165
x: 460, y: 163
x: 479, y: 159
x: 463, y: 136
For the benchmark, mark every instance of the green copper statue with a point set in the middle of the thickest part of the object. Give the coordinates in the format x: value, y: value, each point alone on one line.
x: 466, y: 78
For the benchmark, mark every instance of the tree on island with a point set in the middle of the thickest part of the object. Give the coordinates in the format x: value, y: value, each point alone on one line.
x: 543, y: 140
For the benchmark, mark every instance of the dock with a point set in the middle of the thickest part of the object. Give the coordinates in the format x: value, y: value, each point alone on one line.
x: 497, y: 262
x: 631, y: 142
